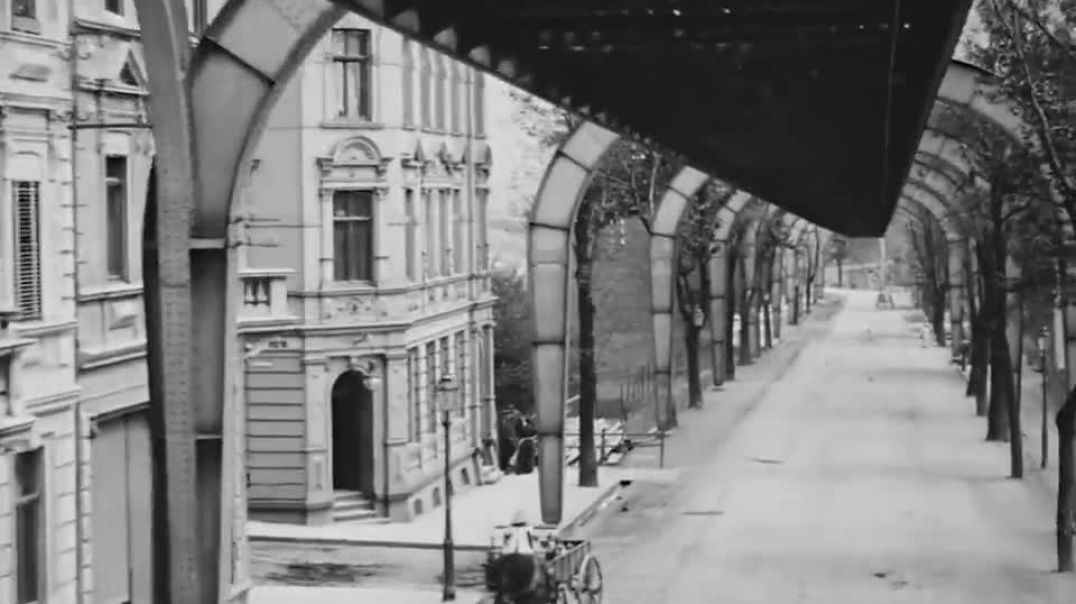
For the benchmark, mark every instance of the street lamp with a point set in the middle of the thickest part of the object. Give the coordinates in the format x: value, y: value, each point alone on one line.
x: 447, y: 388
x: 1041, y: 342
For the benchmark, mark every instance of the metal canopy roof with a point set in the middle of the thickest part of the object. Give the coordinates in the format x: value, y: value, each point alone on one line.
x: 791, y: 100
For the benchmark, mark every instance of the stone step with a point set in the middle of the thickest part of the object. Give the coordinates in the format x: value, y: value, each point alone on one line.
x: 345, y: 498
x: 361, y: 515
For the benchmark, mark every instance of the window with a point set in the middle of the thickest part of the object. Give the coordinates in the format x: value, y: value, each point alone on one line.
x: 431, y: 387
x: 481, y: 229
x: 479, y: 104
x: 29, y: 526
x: 116, y: 215
x: 408, y: 83
x: 424, y: 88
x: 454, y: 96
x: 446, y: 357
x: 431, y: 235
x: 458, y: 233
x: 410, y: 257
x: 24, y: 16
x: 445, y: 223
x: 439, y: 94
x: 353, y: 237
x: 27, y: 201
x: 351, y: 69
x: 461, y: 370
x: 414, y: 372
x: 114, y: 6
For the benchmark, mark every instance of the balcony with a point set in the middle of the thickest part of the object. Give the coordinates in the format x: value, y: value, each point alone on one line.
x: 265, y: 298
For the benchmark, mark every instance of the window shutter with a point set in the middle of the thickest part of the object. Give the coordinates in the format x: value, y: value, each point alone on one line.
x: 27, y: 249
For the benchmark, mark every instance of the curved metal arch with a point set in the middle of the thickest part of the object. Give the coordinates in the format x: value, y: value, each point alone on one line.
x: 549, y: 260
x: 956, y: 251
x: 718, y: 268
x: 970, y: 88
x: 208, y: 113
x: 663, y: 268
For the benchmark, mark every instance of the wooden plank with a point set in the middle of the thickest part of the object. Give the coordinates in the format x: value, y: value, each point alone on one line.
x: 290, y: 396
x: 260, y: 459
x: 275, y: 428
x: 277, y: 476
x: 274, y: 444
x: 275, y: 380
x: 289, y: 491
x: 260, y: 411
x: 276, y: 364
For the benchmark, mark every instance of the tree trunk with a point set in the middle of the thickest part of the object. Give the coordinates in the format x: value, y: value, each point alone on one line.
x: 980, y: 363
x: 1066, y: 470
x: 767, y: 326
x: 938, y: 316
x: 997, y: 418
x: 745, y: 328
x: 694, y: 382
x: 840, y: 272
x: 588, y: 377
x: 732, y: 299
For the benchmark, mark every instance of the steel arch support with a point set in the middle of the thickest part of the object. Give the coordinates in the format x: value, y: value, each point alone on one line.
x: 549, y: 258
x: 228, y: 91
x: 969, y: 88
x: 718, y: 267
x: 663, y: 268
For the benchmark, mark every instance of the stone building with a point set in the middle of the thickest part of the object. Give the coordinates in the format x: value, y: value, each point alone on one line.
x: 75, y: 151
x: 367, y: 209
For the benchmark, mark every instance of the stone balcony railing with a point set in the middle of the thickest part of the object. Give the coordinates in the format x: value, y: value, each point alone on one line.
x: 265, y: 297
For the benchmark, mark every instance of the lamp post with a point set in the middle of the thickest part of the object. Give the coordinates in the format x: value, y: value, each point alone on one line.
x: 446, y: 395
x: 1041, y: 342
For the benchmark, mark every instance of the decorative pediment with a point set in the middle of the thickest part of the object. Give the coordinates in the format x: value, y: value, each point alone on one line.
x: 417, y: 156
x: 449, y: 160
x: 355, y: 152
x: 133, y: 74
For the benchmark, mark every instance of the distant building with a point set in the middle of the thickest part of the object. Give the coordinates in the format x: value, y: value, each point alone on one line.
x: 366, y: 281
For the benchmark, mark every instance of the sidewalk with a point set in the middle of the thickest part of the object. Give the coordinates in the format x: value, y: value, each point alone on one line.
x: 1031, y: 428
x: 283, y: 594
x: 475, y: 512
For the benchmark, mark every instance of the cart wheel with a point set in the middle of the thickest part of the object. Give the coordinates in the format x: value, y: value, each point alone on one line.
x: 587, y: 583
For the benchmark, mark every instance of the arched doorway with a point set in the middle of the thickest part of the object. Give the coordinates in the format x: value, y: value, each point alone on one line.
x: 353, y: 434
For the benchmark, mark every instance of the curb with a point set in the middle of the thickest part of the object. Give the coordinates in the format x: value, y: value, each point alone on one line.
x: 595, y: 506
x: 580, y: 519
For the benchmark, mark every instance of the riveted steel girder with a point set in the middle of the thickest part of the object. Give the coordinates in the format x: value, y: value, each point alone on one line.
x: 719, y: 267
x: 663, y: 268
x: 549, y: 259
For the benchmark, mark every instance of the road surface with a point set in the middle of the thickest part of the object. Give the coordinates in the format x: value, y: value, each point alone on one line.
x: 859, y: 476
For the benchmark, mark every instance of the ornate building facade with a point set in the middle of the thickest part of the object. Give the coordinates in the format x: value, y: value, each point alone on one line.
x: 367, y: 209
x: 364, y: 278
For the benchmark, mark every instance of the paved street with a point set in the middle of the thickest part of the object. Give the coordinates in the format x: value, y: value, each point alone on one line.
x: 861, y: 475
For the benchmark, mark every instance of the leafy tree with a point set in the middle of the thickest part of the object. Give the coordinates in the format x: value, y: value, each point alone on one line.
x: 930, y: 256
x: 627, y: 183
x: 1031, y: 50
x: 695, y: 247
x: 838, y: 252
x: 511, y: 359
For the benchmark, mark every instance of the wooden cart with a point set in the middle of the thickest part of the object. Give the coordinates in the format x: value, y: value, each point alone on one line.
x: 573, y: 575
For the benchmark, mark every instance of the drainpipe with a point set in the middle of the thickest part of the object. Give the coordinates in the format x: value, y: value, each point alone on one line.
x: 385, y: 438
x: 72, y: 59
x: 472, y: 197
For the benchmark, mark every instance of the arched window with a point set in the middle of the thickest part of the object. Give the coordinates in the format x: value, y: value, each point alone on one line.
x: 439, y: 94
x: 408, y: 83
x: 479, y: 104
x: 424, y: 87
x: 454, y: 96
